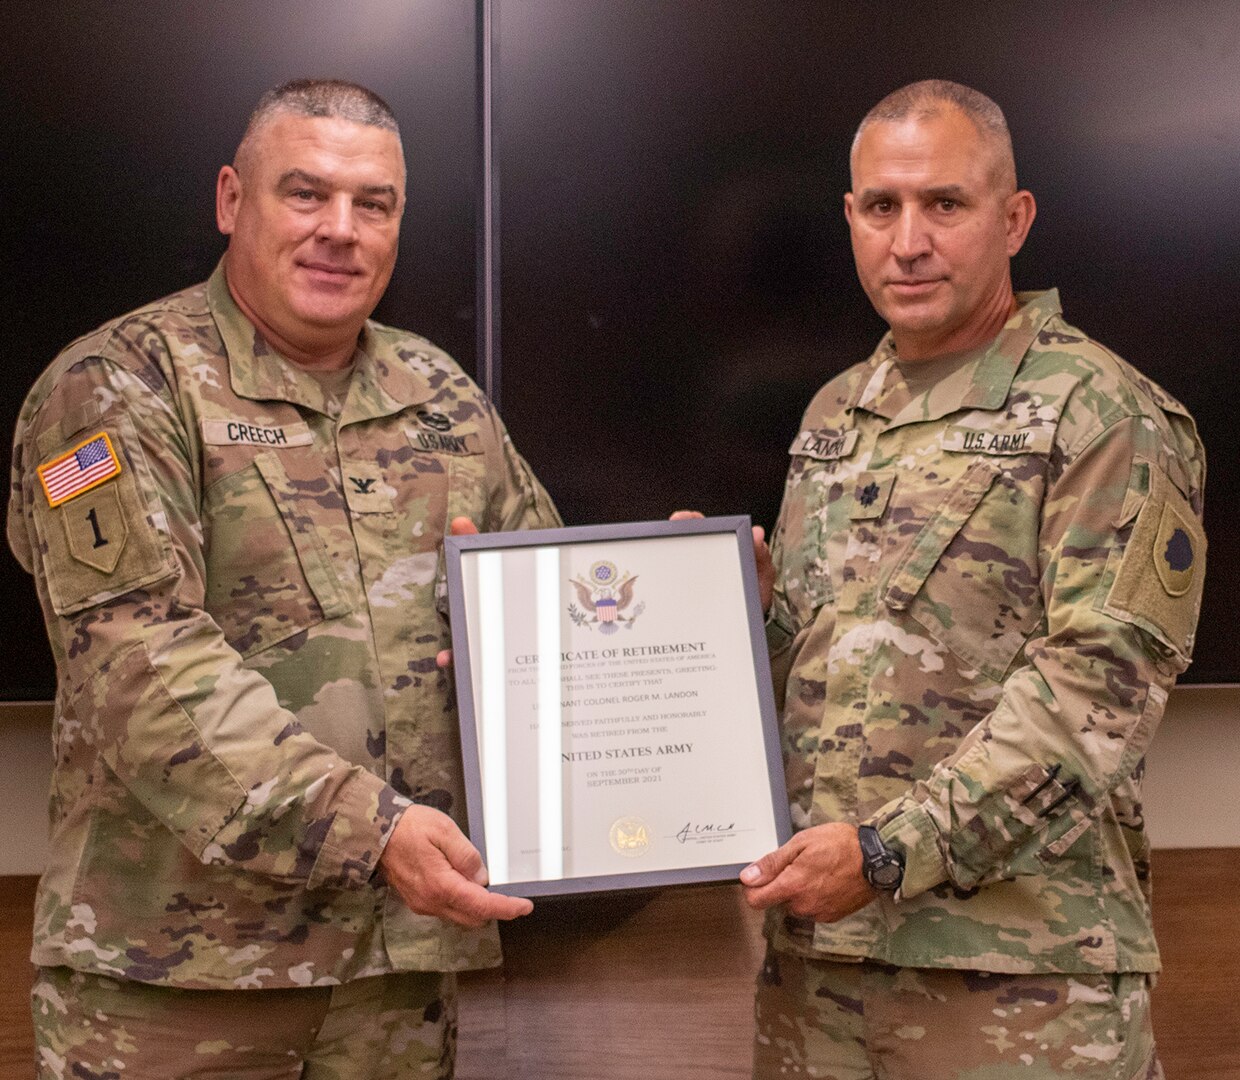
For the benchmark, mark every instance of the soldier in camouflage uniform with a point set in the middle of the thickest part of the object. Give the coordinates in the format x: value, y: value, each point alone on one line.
x: 233, y: 503
x: 989, y: 566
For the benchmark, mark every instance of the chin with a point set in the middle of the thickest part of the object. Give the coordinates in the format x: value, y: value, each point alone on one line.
x: 914, y: 325
x: 331, y: 314
x: 926, y: 314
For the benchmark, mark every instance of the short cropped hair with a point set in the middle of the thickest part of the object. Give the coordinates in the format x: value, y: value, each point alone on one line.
x: 316, y: 97
x: 924, y: 99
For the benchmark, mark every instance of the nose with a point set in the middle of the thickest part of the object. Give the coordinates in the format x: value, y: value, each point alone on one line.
x: 336, y: 224
x: 911, y: 238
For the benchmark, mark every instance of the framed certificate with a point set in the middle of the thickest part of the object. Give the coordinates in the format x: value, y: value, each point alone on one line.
x: 618, y: 728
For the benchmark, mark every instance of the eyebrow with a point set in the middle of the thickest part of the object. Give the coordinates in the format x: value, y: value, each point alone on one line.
x: 301, y: 176
x: 945, y: 191
x: 379, y: 189
x: 948, y: 191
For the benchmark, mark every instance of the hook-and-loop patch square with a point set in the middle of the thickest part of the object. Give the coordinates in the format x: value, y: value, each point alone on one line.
x: 1158, y: 578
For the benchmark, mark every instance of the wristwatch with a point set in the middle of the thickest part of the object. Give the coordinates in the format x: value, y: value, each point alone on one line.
x: 883, y: 867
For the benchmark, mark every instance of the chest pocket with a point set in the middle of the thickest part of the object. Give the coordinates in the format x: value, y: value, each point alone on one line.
x: 456, y: 455
x: 970, y: 576
x: 450, y: 465
x: 813, y: 497
x: 269, y: 575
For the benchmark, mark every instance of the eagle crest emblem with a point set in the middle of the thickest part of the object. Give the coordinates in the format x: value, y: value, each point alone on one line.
x: 605, y: 596
x: 629, y: 837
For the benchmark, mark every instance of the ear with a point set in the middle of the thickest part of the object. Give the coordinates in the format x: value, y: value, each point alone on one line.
x: 1020, y: 212
x: 227, y: 199
x: 848, y: 207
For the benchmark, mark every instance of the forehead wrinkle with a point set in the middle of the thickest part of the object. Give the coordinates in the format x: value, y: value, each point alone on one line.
x: 321, y: 181
x: 256, y: 145
x: 1001, y: 168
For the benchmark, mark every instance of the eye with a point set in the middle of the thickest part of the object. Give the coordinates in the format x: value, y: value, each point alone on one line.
x: 303, y: 195
x: 948, y: 205
x: 882, y: 206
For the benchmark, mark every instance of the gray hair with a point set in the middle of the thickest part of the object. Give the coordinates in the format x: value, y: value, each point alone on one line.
x: 922, y: 100
x: 316, y: 97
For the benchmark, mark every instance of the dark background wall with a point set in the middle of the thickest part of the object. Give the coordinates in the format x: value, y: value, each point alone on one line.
x: 116, y: 116
x: 676, y: 274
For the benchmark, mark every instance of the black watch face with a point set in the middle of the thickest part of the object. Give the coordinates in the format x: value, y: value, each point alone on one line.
x: 886, y: 876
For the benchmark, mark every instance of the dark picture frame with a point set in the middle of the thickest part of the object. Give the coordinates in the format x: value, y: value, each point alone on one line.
x: 686, y: 852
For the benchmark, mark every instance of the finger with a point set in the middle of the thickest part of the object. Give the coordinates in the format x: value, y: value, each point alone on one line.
x: 443, y: 658
x: 473, y: 905
x: 767, y: 868
x: 765, y: 567
x: 787, y: 886
x: 498, y: 906
x: 462, y: 856
x: 462, y: 526
x: 685, y: 515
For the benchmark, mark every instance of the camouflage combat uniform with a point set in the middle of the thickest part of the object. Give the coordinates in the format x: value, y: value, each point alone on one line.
x: 984, y: 594
x: 245, y: 619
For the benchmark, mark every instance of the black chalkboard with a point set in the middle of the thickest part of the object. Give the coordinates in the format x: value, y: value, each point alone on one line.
x: 677, y: 273
x: 676, y: 278
x: 116, y: 119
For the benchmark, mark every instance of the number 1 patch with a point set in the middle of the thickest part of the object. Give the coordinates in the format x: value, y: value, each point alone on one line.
x: 96, y: 529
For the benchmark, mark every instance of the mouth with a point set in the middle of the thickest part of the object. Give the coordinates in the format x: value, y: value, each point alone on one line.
x: 326, y: 271
x: 913, y: 286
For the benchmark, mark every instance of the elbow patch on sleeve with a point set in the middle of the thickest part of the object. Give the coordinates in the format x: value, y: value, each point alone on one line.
x: 152, y: 746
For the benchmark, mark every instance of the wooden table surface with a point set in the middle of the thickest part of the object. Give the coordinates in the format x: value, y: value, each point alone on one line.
x: 654, y: 986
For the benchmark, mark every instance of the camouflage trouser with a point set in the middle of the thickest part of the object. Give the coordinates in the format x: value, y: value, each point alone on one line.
x: 870, y: 1021
x: 88, y: 1027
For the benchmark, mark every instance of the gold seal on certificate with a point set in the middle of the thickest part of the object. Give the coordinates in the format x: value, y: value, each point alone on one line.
x: 617, y: 721
x: 629, y: 837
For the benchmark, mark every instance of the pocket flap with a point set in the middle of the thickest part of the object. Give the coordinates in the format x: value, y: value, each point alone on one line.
x: 311, y: 553
x: 928, y: 547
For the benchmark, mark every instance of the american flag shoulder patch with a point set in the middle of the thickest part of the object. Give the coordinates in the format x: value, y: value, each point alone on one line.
x: 87, y: 465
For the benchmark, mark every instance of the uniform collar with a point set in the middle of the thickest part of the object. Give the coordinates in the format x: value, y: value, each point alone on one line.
x: 383, y: 381
x: 984, y: 384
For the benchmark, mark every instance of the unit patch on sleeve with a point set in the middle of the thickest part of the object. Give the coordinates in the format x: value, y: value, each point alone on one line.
x: 1168, y: 540
x: 1175, y: 555
x: 86, y: 466
x: 97, y: 523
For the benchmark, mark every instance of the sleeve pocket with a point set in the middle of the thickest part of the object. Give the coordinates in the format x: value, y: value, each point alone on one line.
x: 1158, y: 575
x: 104, y: 543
